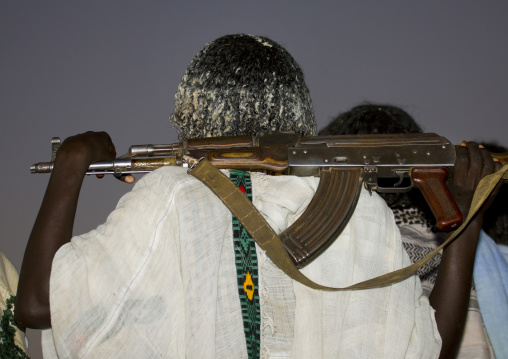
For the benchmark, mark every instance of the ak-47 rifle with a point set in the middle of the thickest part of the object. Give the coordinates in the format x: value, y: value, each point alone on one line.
x: 344, y: 163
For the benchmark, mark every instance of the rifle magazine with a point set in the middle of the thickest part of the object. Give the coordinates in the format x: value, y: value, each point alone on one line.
x: 325, y: 217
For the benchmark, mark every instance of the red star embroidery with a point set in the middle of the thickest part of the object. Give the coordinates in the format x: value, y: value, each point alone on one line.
x: 242, y: 188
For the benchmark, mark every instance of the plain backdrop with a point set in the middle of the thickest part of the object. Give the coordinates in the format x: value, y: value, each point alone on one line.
x: 71, y: 66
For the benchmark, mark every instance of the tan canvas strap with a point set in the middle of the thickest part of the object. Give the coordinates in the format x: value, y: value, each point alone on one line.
x: 269, y: 241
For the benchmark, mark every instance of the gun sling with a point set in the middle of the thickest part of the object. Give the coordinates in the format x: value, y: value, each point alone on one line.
x: 271, y: 243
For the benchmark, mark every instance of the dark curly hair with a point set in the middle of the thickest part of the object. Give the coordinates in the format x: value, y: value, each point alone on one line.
x: 240, y: 85
x: 370, y: 118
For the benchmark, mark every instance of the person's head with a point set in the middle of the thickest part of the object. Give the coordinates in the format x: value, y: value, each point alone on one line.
x: 240, y: 85
x: 372, y: 118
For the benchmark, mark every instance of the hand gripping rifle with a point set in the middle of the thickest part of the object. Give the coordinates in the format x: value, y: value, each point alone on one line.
x: 383, y: 163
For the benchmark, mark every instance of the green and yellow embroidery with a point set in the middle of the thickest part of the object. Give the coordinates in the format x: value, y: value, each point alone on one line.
x: 247, y: 272
x: 8, y: 349
x: 248, y: 286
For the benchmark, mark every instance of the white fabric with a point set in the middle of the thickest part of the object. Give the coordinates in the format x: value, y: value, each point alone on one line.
x: 158, y: 280
x: 420, y: 240
x: 491, y: 280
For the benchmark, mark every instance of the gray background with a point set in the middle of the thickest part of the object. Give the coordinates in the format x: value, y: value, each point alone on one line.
x: 72, y: 66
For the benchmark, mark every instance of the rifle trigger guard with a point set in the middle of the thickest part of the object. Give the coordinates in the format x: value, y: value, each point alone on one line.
x: 396, y: 186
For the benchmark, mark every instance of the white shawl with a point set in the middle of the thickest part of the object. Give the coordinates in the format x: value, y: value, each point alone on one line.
x: 158, y: 280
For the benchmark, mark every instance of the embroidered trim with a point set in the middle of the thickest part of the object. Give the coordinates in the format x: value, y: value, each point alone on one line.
x: 247, y: 272
x: 8, y: 349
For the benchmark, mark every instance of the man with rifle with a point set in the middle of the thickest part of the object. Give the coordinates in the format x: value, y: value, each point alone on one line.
x: 173, y: 274
x: 413, y: 216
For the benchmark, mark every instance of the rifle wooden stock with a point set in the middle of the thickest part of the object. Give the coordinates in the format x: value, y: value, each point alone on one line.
x: 343, y: 163
x: 271, y: 159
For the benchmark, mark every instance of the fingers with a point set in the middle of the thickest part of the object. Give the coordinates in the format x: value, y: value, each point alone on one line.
x: 124, y: 178
x: 128, y: 179
x: 111, y: 148
x: 90, y: 146
x: 488, y: 163
x: 461, y: 162
x: 476, y: 164
x: 104, y: 145
x: 472, y: 164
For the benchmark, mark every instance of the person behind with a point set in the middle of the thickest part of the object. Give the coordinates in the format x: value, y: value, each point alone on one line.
x: 414, y: 217
x: 495, y: 223
x: 172, y: 273
x: 491, y: 268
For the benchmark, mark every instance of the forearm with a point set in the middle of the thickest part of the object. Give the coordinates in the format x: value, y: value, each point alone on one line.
x: 450, y: 295
x: 451, y: 292
x: 52, y: 229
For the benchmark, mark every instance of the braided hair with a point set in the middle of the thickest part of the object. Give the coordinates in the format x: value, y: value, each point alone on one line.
x: 240, y: 85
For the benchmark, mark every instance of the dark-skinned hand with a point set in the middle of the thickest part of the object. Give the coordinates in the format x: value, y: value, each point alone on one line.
x: 473, y: 162
x: 86, y: 148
